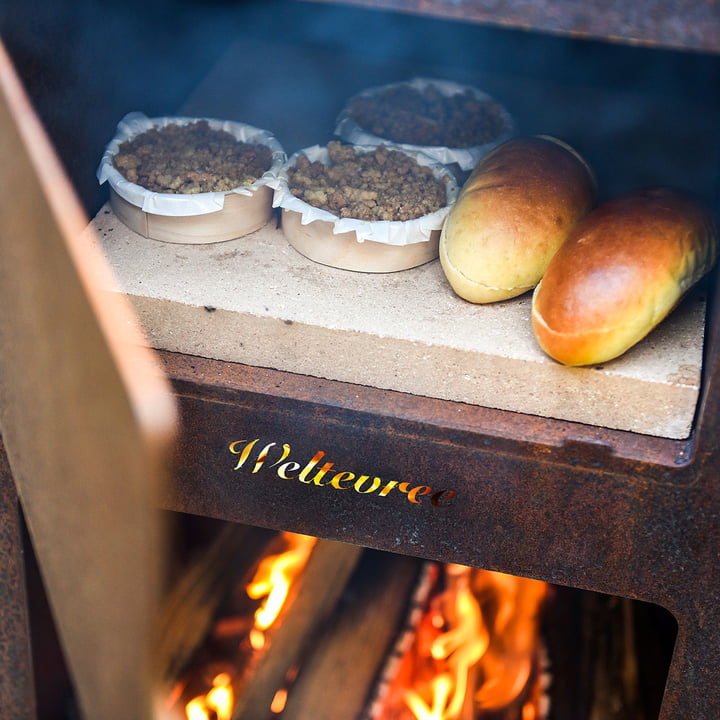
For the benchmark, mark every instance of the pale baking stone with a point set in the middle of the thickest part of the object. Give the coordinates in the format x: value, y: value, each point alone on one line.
x: 257, y: 301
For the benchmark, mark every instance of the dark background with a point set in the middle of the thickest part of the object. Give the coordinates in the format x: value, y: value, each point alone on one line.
x: 641, y: 116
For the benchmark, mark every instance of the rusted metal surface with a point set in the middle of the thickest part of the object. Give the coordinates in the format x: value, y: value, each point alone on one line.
x: 706, y: 440
x: 682, y: 24
x: 584, y: 507
x: 17, y: 697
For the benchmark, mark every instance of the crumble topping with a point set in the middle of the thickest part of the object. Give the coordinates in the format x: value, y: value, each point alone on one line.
x: 190, y: 159
x: 383, y: 184
x: 405, y: 114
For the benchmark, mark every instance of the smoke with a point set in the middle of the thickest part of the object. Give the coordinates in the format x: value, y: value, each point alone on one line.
x: 641, y: 116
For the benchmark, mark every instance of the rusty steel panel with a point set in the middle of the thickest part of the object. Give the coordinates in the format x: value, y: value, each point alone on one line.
x: 16, y: 674
x: 680, y: 24
x: 587, y: 508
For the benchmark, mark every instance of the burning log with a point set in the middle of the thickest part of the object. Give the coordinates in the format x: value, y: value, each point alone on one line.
x: 312, y: 600
x: 394, y: 638
x: 282, y: 592
x: 337, y: 675
x: 192, y: 603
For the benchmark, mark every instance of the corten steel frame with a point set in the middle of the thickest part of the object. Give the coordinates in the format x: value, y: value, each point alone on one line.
x: 16, y: 683
x: 574, y: 505
x: 685, y: 24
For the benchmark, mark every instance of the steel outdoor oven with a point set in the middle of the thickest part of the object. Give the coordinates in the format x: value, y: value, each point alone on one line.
x: 607, y: 510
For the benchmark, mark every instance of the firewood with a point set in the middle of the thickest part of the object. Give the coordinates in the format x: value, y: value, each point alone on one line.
x: 615, y: 669
x: 609, y: 655
x: 312, y: 600
x: 191, y: 604
x: 336, y: 678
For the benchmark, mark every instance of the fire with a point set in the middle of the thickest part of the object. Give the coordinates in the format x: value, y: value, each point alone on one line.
x: 274, y: 578
x: 271, y: 582
x: 218, y: 702
x: 441, y: 690
x: 475, y: 650
x: 279, y: 701
x: 507, y: 664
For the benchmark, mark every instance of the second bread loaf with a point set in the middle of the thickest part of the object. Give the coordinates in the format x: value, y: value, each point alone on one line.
x: 620, y: 273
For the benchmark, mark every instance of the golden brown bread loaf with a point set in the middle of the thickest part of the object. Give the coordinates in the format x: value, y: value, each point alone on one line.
x: 512, y: 214
x: 621, y: 271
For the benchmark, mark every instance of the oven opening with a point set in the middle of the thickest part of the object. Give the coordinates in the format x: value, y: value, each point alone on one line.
x: 280, y: 626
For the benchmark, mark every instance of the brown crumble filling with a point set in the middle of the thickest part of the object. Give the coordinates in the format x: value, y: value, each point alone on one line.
x: 406, y: 114
x: 382, y: 184
x: 191, y: 159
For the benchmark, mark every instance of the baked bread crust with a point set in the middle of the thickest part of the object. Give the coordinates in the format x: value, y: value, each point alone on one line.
x: 622, y: 270
x: 514, y: 211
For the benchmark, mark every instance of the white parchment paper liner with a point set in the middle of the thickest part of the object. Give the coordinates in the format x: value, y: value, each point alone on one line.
x: 348, y: 129
x: 390, y: 232
x: 179, y: 204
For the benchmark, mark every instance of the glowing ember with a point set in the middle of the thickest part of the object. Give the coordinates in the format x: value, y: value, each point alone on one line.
x: 217, y: 703
x: 256, y: 639
x: 279, y: 701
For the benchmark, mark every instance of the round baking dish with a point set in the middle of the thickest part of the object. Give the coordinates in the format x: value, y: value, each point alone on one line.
x: 199, y: 218
x: 349, y: 129
x: 360, y: 245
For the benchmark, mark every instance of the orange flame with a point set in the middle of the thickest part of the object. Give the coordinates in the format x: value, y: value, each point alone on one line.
x: 507, y: 664
x: 441, y: 690
x: 218, y: 702
x: 274, y: 577
x: 483, y: 650
x: 272, y: 581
